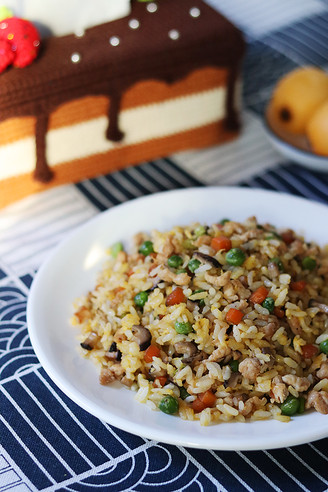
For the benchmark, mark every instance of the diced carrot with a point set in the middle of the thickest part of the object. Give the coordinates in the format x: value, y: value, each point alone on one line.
x: 234, y: 316
x: 160, y: 381
x: 309, y: 351
x: 258, y: 296
x: 221, y: 243
x: 298, y: 285
x: 150, y: 352
x: 197, y: 405
x: 208, y: 398
x: 288, y: 236
x: 280, y: 313
x: 175, y: 297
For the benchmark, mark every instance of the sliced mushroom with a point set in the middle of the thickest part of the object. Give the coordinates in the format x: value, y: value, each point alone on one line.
x: 206, y: 259
x: 234, y: 379
x: 322, y: 307
x: 142, y: 336
x: 188, y: 349
x: 90, y: 342
x: 113, y: 353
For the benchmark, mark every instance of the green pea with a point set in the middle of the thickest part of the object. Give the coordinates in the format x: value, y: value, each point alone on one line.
x: 141, y: 298
x: 223, y: 221
x: 273, y: 235
x: 268, y: 304
x: 183, y: 328
x: 234, y: 365
x: 290, y: 406
x: 193, y: 265
x: 301, y: 407
x: 309, y: 263
x: 279, y: 264
x: 181, y: 270
x: 169, y: 405
x: 183, y: 393
x: 188, y: 244
x: 324, y: 346
x: 175, y: 261
x: 235, y: 257
x: 200, y: 231
x: 146, y: 248
x: 115, y: 249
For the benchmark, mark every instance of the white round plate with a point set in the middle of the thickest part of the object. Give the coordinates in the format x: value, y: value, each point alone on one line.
x: 292, y: 153
x: 71, y: 270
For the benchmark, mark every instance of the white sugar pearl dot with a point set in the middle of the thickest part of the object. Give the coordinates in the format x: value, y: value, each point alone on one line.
x: 134, y: 23
x: 3, y: 25
x: 194, y: 12
x: 114, y: 41
x: 76, y: 57
x: 80, y: 33
x: 36, y: 43
x: 174, y: 34
x: 151, y: 7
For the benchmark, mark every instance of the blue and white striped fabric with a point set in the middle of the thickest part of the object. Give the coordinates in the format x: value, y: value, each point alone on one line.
x: 47, y: 442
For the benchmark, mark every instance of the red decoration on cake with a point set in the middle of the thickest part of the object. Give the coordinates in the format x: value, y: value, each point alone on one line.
x: 6, y: 54
x: 19, y: 42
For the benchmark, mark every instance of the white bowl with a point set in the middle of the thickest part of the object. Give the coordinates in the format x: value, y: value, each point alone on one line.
x: 295, y: 154
x: 71, y: 271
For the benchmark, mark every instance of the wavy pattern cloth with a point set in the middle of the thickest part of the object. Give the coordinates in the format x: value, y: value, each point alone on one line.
x: 47, y: 442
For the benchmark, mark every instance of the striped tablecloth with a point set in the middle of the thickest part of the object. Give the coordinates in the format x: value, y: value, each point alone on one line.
x: 46, y: 441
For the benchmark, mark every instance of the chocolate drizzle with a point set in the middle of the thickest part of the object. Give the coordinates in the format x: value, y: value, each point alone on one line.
x: 113, y: 132
x: 42, y: 171
x: 142, y: 54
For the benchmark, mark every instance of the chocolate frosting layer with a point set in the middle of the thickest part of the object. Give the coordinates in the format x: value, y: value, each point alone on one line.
x: 168, y: 44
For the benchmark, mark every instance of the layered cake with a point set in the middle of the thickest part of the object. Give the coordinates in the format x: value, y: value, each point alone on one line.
x: 162, y: 79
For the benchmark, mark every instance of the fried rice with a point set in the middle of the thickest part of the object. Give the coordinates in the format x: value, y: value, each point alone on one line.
x: 213, y: 323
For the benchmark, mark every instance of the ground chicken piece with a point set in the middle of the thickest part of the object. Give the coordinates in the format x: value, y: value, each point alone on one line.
x: 297, y: 247
x: 127, y: 382
x: 179, y: 279
x: 232, y: 227
x: 110, y: 374
x: 323, y: 267
x: 300, y: 384
x: 167, y: 248
x: 251, y: 234
x: 242, y: 291
x: 279, y: 390
x: 318, y: 400
x: 250, y: 368
x: 323, y: 371
x: 203, y: 240
x: 251, y: 405
x: 139, y: 238
x: 233, y: 401
x: 218, y: 280
x: 119, y: 336
x: 229, y: 292
x: 219, y: 353
x: 295, y: 325
x: 270, y: 329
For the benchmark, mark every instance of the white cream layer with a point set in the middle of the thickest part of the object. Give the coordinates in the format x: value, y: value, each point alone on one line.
x: 138, y: 124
